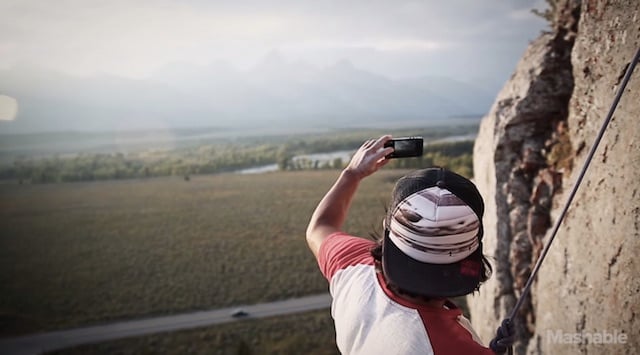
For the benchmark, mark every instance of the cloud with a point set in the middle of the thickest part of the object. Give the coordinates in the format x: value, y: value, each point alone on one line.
x: 135, y: 37
x: 375, y: 44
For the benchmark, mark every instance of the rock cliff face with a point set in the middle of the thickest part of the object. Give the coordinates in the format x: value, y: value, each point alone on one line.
x: 529, y: 151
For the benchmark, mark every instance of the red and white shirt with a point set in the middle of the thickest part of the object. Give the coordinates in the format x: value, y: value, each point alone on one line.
x: 370, y: 319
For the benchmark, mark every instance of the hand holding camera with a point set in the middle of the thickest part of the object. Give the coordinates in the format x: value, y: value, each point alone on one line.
x: 405, y: 147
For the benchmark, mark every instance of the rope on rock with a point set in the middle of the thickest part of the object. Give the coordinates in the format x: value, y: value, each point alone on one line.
x: 526, y: 290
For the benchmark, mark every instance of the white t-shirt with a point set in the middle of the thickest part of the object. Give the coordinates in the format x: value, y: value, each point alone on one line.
x: 370, y: 319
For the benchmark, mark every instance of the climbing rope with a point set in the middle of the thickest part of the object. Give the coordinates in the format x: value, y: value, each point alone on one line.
x: 534, y: 272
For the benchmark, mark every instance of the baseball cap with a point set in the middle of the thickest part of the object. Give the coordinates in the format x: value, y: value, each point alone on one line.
x: 433, y: 236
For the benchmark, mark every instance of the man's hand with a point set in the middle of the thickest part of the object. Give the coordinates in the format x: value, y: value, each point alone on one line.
x: 505, y: 336
x: 330, y: 214
x: 369, y: 157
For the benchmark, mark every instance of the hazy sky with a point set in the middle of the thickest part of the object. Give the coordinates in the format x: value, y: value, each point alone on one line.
x: 465, y: 38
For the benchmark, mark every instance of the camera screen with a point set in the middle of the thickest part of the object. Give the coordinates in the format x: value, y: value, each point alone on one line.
x: 407, y: 147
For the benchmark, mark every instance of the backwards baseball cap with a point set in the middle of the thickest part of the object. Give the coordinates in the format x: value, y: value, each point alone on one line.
x: 433, y: 236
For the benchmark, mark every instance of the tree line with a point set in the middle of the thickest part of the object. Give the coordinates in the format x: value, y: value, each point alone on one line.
x: 209, y: 159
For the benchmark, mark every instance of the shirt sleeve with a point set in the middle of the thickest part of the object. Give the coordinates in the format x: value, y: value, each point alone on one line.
x: 341, y: 250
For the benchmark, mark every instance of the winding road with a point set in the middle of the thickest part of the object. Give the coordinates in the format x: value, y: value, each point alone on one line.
x: 41, y: 342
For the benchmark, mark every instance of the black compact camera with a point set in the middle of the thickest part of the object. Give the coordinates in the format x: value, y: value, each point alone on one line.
x: 405, y: 147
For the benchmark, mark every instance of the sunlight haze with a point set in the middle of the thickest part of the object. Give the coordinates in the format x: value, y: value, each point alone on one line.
x: 8, y: 108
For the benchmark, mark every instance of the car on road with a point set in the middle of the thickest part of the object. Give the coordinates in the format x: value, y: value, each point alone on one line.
x: 239, y: 313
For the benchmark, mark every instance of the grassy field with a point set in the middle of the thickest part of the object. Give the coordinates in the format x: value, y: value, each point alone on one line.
x: 76, y: 254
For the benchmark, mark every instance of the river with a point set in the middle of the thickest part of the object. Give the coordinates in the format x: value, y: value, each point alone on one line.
x: 321, y: 158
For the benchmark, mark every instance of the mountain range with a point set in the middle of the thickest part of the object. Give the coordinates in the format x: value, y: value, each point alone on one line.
x: 273, y: 93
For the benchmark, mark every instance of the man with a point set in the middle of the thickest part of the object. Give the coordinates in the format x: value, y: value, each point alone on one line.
x: 392, y: 297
